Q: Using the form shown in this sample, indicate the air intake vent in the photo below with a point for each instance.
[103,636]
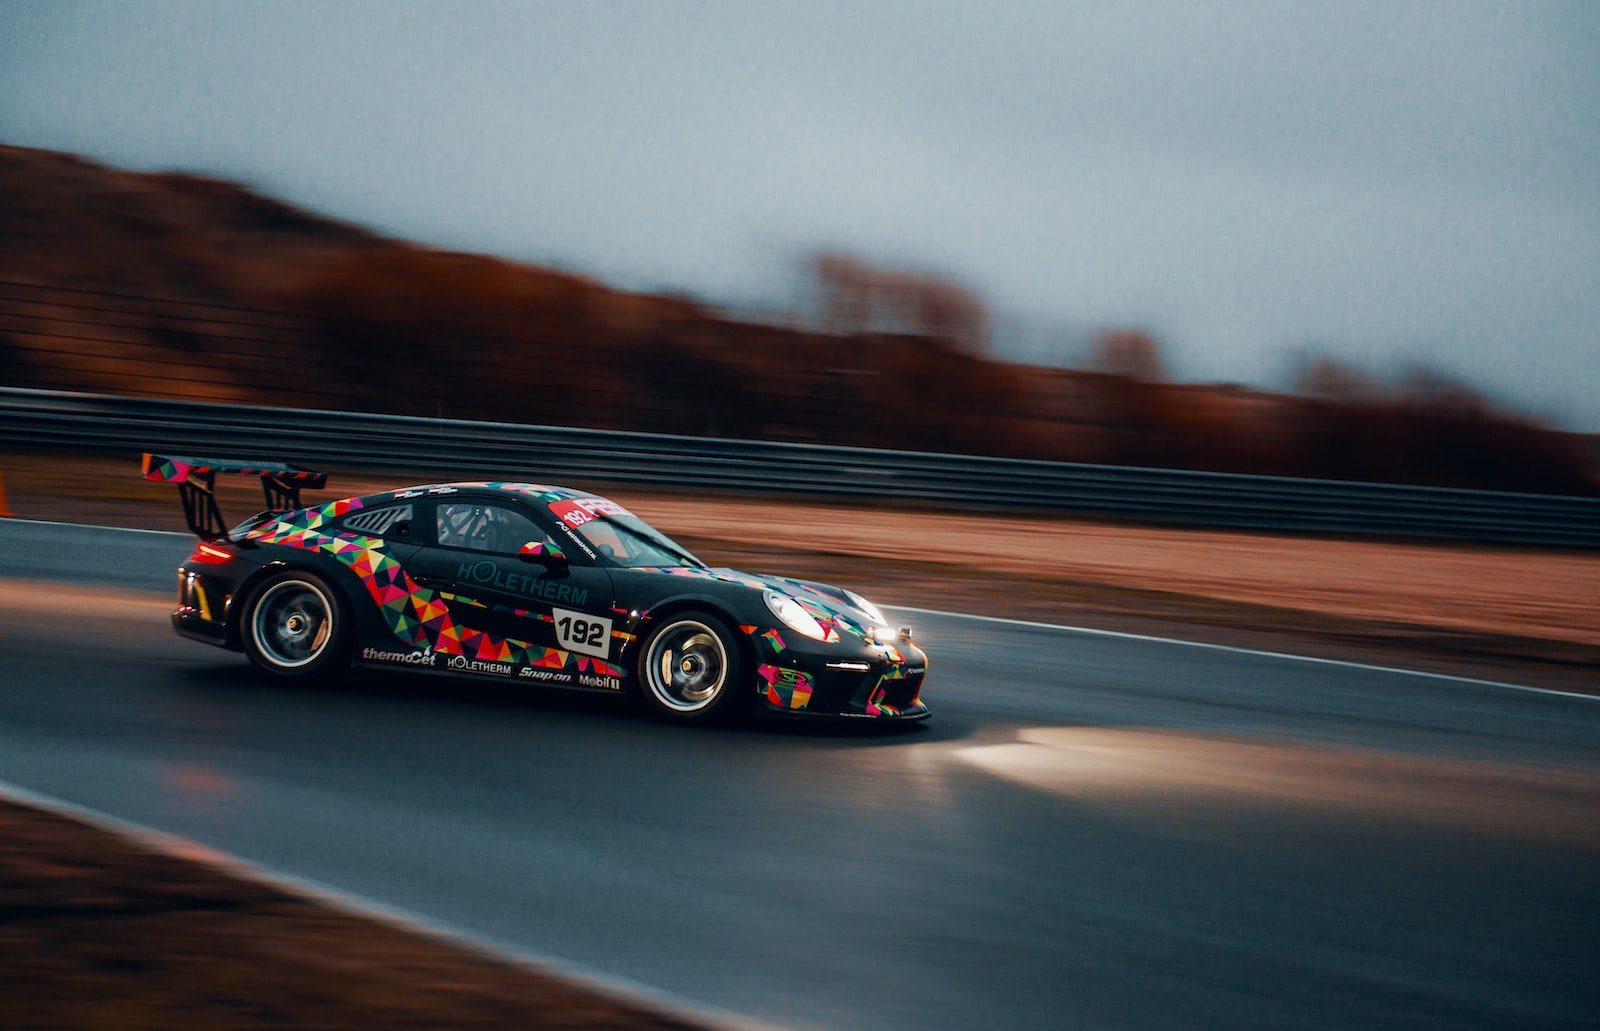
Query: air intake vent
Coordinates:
[379,520]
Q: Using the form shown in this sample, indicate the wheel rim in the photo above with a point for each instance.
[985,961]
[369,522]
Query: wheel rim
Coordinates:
[292,623]
[687,667]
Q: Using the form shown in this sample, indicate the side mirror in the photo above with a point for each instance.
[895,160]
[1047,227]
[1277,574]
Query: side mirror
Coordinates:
[546,552]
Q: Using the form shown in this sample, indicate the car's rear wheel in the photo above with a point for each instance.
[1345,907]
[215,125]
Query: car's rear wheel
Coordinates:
[690,669]
[293,627]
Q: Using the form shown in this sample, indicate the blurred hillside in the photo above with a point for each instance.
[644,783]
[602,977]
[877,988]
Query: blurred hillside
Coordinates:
[188,287]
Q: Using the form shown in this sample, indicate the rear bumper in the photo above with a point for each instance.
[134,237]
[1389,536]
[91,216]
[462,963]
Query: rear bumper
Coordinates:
[189,623]
[202,609]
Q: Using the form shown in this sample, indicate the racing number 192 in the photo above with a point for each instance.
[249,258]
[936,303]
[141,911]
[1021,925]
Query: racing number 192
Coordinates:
[581,631]
[578,632]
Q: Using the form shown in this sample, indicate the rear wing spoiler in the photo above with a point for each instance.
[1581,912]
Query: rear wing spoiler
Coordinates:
[280,486]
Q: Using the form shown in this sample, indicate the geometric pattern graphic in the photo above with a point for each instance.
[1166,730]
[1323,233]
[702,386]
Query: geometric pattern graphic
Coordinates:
[537,491]
[417,616]
[434,623]
[168,470]
[786,688]
[173,469]
[876,706]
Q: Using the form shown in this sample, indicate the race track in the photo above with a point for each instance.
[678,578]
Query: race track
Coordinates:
[1092,831]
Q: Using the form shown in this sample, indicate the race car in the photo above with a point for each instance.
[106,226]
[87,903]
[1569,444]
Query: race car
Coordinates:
[525,583]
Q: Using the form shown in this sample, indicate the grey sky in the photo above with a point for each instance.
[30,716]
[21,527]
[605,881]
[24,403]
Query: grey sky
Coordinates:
[1384,182]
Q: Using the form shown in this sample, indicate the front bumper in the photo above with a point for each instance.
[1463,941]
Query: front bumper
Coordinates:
[879,682]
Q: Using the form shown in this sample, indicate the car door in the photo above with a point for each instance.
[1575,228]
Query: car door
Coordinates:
[512,610]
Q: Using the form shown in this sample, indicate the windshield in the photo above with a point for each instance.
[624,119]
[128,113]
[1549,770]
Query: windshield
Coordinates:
[620,535]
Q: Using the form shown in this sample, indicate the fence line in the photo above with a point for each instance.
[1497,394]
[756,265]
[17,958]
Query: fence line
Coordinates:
[353,440]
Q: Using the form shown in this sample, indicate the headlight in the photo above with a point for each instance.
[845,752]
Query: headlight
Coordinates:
[882,635]
[794,617]
[866,606]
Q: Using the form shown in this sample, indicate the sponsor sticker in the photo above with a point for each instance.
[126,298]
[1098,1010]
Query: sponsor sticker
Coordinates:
[462,664]
[577,538]
[596,680]
[488,573]
[545,676]
[577,511]
[423,658]
[579,632]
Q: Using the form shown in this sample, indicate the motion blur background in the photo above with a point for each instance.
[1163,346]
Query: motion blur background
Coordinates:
[1354,242]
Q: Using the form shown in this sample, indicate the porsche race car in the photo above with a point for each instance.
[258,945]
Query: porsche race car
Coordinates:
[525,583]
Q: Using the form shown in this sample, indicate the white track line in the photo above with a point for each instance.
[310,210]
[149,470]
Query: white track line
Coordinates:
[1090,631]
[1093,632]
[190,851]
[96,526]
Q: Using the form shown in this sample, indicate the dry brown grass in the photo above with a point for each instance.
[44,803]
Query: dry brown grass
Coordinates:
[1547,594]
[97,931]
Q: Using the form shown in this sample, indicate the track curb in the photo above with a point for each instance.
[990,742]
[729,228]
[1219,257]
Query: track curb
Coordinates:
[173,846]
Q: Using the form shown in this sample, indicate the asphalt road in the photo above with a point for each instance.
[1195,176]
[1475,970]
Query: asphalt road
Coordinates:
[1092,831]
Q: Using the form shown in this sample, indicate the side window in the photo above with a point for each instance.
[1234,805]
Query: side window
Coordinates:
[391,521]
[606,540]
[485,526]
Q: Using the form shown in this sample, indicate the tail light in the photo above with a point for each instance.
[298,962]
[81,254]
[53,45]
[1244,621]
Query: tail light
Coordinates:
[210,555]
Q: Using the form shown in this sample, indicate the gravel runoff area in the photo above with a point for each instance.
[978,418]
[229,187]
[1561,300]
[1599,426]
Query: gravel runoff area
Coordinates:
[106,929]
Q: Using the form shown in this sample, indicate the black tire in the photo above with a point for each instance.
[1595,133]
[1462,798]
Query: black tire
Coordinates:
[295,627]
[691,670]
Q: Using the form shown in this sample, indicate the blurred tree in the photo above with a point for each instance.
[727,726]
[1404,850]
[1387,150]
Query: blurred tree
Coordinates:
[860,298]
[1426,389]
[179,286]
[1129,353]
[1327,380]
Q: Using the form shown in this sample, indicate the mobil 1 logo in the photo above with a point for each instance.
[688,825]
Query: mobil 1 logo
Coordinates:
[579,632]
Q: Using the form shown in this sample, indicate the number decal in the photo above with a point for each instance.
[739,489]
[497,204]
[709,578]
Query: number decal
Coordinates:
[578,632]
[578,511]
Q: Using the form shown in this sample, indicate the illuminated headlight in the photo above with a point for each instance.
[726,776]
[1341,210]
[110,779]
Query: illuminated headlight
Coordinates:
[884,635]
[793,616]
[866,606]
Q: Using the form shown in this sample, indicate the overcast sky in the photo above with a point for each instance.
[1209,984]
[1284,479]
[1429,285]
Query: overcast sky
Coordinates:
[1391,183]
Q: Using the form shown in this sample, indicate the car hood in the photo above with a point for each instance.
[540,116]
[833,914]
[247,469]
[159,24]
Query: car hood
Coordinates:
[826,603]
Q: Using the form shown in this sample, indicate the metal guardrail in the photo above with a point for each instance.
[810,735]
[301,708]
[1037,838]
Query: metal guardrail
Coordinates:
[68,553]
[52,419]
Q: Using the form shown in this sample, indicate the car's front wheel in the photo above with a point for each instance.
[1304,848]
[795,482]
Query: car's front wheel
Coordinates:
[294,627]
[690,669]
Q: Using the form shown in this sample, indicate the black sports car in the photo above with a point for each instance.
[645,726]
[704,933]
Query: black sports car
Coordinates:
[528,583]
